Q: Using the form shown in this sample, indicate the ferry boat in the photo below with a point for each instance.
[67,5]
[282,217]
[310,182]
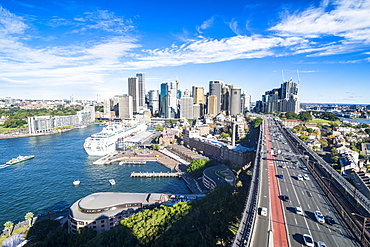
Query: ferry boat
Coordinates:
[19,159]
[104,142]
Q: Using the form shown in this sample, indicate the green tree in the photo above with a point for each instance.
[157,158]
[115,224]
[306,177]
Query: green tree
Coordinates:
[257,122]
[367,131]
[324,143]
[303,137]
[159,128]
[329,116]
[224,135]
[291,115]
[304,116]
[29,217]
[9,225]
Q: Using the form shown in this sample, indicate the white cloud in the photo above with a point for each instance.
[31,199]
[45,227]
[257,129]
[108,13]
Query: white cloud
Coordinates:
[10,23]
[206,25]
[212,50]
[104,20]
[343,18]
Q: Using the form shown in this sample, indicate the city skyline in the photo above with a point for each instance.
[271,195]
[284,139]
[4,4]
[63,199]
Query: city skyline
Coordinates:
[53,50]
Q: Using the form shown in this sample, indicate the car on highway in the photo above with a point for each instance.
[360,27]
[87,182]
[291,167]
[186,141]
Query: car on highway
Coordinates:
[329,220]
[321,244]
[285,198]
[306,177]
[299,177]
[283,166]
[280,176]
[263,211]
[319,217]
[298,210]
[308,241]
[304,168]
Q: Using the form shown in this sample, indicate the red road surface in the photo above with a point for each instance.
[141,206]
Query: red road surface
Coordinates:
[278,221]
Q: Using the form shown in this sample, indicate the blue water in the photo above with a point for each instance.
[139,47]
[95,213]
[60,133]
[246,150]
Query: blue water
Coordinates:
[45,182]
[360,120]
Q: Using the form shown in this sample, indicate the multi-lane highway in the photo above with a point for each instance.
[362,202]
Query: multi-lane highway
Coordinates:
[281,172]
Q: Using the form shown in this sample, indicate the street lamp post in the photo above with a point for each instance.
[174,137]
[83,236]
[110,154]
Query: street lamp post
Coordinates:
[364,224]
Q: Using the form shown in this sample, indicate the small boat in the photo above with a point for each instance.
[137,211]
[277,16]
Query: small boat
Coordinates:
[76,182]
[19,159]
[112,182]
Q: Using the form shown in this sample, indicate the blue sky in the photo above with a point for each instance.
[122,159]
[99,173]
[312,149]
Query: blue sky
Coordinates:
[54,49]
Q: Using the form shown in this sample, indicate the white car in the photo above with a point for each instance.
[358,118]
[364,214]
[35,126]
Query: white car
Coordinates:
[319,217]
[264,211]
[298,210]
[321,244]
[308,241]
[306,177]
[299,177]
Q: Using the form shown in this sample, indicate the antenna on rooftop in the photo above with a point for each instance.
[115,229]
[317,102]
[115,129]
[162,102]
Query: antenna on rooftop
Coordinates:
[298,76]
[282,74]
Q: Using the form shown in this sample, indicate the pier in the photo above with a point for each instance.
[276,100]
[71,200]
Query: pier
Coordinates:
[134,162]
[156,174]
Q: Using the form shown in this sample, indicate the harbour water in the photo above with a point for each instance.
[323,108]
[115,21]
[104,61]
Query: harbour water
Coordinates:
[45,182]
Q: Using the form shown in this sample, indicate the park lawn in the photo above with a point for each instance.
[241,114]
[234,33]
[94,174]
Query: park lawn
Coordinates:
[16,231]
[322,121]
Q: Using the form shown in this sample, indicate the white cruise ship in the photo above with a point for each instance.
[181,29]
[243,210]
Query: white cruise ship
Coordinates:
[104,142]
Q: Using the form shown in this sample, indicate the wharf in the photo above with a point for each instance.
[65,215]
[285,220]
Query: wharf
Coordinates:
[156,174]
[138,157]
[134,162]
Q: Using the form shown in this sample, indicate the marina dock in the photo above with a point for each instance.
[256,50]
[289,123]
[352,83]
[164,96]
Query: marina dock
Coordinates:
[156,174]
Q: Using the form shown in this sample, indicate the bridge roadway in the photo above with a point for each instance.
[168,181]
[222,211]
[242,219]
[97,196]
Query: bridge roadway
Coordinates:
[307,194]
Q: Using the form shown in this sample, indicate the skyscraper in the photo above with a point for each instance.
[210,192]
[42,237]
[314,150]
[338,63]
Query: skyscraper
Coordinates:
[283,99]
[153,101]
[133,91]
[186,107]
[141,89]
[215,88]
[212,105]
[235,101]
[125,107]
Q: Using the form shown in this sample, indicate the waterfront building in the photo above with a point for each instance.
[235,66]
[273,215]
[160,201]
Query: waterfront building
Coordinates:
[46,124]
[125,107]
[103,211]
[133,91]
[218,176]
[107,108]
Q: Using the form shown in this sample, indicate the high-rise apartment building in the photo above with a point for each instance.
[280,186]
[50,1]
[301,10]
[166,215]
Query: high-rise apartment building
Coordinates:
[283,99]
[245,102]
